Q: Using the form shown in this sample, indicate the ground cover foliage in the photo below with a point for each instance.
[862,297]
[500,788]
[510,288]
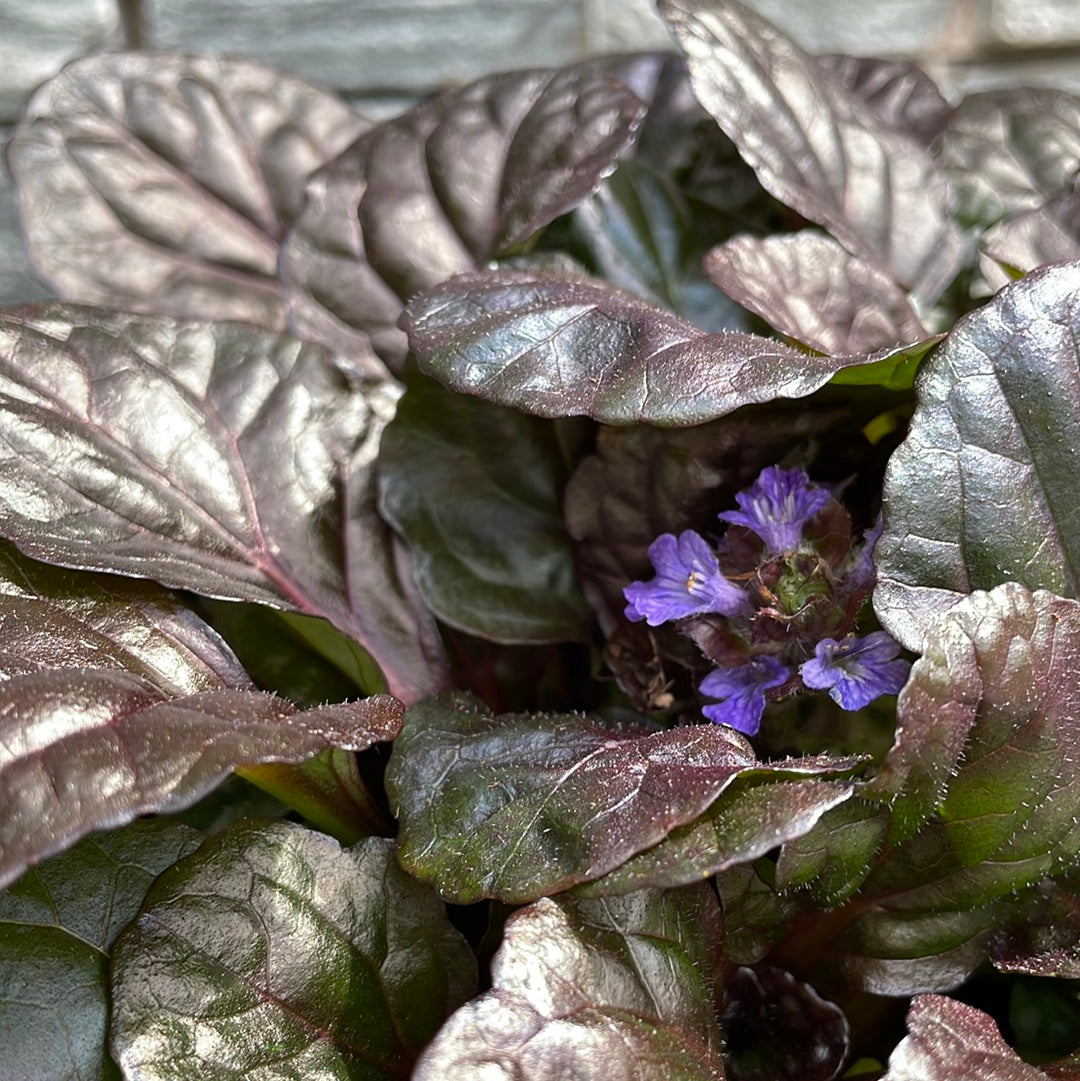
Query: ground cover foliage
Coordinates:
[576,580]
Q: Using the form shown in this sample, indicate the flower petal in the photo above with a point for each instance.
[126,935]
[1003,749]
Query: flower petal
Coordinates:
[777,506]
[742,691]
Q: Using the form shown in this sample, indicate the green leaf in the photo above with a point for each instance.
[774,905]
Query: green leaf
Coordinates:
[758,812]
[983,489]
[831,860]
[595,990]
[476,491]
[274,952]
[519,806]
[58,924]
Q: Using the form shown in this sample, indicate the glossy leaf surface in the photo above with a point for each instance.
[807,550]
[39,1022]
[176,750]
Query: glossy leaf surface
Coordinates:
[213,457]
[817,146]
[58,924]
[948,1040]
[559,346]
[810,289]
[986,741]
[1008,151]
[982,490]
[899,91]
[274,951]
[520,806]
[118,702]
[746,821]
[476,491]
[594,990]
[164,183]
[443,188]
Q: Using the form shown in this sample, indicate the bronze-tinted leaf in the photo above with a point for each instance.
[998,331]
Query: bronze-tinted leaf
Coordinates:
[596,990]
[983,489]
[523,805]
[818,146]
[810,289]
[212,457]
[561,346]
[165,182]
[443,188]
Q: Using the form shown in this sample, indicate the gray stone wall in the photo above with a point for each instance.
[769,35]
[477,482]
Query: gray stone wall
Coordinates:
[382,53]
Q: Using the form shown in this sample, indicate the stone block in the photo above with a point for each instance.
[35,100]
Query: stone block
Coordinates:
[365,46]
[37,37]
[1037,24]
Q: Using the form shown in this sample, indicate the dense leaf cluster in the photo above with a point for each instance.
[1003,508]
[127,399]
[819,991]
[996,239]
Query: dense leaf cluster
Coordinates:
[328,469]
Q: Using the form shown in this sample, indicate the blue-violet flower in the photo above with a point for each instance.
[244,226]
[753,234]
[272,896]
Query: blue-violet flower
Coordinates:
[854,670]
[688,582]
[777,506]
[742,690]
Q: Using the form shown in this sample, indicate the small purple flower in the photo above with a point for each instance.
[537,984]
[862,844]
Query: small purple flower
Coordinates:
[856,670]
[742,691]
[688,582]
[777,506]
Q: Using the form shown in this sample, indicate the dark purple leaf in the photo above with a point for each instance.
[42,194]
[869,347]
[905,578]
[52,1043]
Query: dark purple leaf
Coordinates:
[217,458]
[58,924]
[818,146]
[1009,151]
[520,806]
[559,346]
[274,952]
[442,189]
[951,1041]
[476,491]
[900,92]
[779,1029]
[166,182]
[987,740]
[617,988]
[982,491]
[91,749]
[1048,234]
[119,702]
[810,289]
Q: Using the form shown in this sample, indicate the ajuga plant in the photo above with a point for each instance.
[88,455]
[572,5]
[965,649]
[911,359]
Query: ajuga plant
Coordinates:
[576,580]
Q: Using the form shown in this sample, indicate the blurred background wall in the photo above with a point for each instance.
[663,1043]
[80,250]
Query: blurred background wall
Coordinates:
[382,54]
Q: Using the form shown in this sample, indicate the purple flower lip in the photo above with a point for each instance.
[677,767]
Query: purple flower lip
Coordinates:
[688,582]
[777,506]
[742,691]
[854,670]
